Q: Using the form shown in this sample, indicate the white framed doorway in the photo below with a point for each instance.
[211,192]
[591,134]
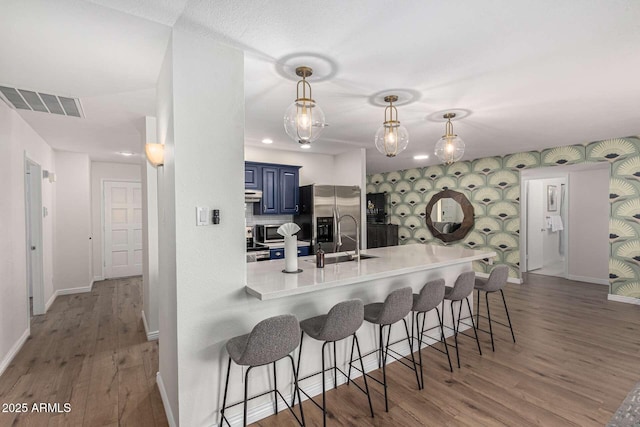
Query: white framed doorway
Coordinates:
[122,228]
[33,236]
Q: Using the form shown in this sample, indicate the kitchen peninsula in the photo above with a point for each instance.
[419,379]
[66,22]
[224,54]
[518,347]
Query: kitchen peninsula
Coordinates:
[266,280]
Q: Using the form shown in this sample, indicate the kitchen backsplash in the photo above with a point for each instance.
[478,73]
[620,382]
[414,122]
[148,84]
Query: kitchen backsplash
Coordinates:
[252,219]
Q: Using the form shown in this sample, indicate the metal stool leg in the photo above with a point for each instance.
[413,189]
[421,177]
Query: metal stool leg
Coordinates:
[335,367]
[384,371]
[478,309]
[364,376]
[473,324]
[224,399]
[486,297]
[296,390]
[297,370]
[324,396]
[424,317]
[275,386]
[508,318]
[444,340]
[246,392]
[413,360]
[455,331]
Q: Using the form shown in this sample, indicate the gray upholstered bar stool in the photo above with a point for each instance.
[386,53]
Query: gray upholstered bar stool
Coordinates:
[496,281]
[459,292]
[430,297]
[342,321]
[395,308]
[270,340]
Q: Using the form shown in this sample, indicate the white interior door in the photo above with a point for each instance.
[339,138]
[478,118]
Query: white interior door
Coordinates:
[122,229]
[35,270]
[535,224]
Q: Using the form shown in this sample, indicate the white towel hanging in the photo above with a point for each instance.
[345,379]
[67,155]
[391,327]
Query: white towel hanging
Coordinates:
[556,223]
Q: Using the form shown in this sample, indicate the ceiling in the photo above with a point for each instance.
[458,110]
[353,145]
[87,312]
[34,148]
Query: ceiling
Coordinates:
[520,75]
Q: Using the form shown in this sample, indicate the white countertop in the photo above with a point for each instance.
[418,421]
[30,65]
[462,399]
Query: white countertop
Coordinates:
[265,280]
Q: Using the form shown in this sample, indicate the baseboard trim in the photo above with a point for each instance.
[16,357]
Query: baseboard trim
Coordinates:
[78,290]
[509,280]
[13,351]
[50,302]
[604,282]
[153,335]
[266,409]
[165,401]
[622,298]
[98,278]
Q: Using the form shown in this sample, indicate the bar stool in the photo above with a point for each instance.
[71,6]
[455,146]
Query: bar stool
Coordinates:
[395,307]
[342,321]
[461,291]
[430,297]
[496,281]
[270,340]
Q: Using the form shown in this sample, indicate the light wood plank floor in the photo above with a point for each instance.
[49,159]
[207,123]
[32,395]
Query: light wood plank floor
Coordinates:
[576,358]
[89,350]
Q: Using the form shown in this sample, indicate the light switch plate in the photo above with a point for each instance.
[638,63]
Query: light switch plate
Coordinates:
[202,216]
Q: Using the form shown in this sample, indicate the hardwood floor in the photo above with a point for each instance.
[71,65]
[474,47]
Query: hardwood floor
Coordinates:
[89,350]
[577,356]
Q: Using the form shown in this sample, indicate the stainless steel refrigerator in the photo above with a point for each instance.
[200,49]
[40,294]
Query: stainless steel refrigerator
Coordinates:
[325,209]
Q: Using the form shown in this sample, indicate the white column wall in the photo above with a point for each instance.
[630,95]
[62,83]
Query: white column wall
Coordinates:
[72,261]
[168,322]
[150,275]
[208,101]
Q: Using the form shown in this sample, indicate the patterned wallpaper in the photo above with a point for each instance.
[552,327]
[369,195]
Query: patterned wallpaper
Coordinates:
[492,185]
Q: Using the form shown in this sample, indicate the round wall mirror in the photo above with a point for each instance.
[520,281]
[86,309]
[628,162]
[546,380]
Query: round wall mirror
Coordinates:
[449,216]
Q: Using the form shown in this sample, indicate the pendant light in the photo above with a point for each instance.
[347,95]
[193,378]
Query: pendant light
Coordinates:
[450,148]
[304,120]
[391,138]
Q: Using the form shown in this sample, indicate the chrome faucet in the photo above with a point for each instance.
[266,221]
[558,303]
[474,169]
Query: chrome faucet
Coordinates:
[357,239]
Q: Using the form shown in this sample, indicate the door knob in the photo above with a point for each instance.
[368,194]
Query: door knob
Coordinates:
[33,248]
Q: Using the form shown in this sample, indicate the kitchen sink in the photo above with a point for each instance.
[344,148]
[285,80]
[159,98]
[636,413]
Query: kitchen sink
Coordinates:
[341,258]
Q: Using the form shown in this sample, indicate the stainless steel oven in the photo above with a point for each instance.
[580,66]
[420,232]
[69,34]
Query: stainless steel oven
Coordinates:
[268,234]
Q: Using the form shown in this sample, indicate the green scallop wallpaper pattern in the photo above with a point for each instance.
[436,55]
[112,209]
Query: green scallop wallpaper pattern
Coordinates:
[492,184]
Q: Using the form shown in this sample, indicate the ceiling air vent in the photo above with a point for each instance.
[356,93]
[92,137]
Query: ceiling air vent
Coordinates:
[22,99]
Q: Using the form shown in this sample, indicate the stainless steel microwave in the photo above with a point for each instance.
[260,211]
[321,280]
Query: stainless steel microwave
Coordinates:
[268,233]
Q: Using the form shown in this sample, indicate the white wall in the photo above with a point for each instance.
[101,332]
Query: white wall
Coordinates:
[150,274]
[72,249]
[168,340]
[101,171]
[16,137]
[589,225]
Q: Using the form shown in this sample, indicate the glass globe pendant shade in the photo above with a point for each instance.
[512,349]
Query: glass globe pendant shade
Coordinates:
[391,139]
[449,149]
[304,121]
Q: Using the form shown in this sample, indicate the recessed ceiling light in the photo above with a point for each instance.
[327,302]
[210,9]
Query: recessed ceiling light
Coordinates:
[305,146]
[267,141]
[126,153]
[421,156]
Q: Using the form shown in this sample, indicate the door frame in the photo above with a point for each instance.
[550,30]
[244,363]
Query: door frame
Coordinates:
[538,174]
[103,181]
[33,236]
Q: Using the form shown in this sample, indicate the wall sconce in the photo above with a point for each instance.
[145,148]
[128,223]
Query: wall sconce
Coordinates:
[49,175]
[155,153]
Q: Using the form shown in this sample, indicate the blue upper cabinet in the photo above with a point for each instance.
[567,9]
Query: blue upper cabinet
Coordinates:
[279,185]
[269,203]
[251,176]
[289,191]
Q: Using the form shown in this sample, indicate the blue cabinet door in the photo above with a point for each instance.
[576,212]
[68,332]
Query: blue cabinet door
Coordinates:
[269,203]
[276,253]
[289,191]
[251,176]
[303,250]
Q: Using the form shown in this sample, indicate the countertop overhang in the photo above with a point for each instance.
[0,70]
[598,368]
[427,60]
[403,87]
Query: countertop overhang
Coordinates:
[265,280]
